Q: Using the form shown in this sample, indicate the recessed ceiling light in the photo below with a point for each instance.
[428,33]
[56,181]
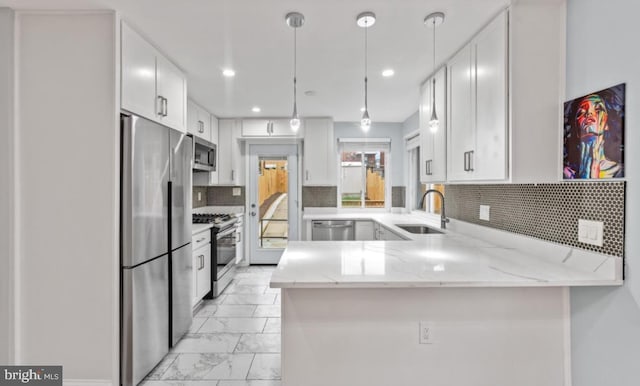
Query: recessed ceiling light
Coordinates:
[256,109]
[229,73]
[388,72]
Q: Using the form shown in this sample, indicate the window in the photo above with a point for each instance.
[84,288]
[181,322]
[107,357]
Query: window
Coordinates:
[363,175]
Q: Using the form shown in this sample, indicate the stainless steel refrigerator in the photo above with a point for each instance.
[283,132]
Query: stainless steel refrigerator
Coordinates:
[155,256]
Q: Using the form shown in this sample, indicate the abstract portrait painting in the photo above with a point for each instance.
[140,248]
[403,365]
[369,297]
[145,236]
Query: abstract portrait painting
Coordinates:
[594,135]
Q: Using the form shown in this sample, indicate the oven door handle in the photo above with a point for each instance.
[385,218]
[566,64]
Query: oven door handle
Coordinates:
[225,233]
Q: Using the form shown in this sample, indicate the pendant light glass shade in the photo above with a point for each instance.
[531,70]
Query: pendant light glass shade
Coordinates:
[295,20]
[365,20]
[434,123]
[433,20]
[365,122]
[295,120]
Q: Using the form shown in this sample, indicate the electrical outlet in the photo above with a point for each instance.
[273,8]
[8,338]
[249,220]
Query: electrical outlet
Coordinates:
[235,191]
[485,212]
[590,232]
[199,196]
[426,333]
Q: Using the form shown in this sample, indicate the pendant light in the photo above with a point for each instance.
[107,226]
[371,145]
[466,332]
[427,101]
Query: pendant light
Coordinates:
[434,20]
[365,20]
[295,20]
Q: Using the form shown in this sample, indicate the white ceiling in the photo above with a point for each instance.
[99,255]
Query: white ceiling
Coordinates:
[251,36]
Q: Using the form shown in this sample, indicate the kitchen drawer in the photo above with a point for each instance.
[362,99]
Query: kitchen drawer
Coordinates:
[202,272]
[201,239]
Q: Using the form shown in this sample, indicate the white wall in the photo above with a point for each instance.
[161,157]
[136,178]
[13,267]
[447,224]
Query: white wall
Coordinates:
[411,124]
[602,51]
[67,156]
[6,186]
[379,130]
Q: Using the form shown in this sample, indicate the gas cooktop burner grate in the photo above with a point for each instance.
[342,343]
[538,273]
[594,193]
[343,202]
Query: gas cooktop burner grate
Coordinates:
[210,218]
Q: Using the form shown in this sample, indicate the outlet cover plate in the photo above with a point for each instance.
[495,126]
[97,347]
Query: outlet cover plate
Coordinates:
[235,192]
[426,333]
[485,211]
[590,232]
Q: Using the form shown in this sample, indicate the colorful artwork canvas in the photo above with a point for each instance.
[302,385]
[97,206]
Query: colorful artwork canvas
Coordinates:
[594,135]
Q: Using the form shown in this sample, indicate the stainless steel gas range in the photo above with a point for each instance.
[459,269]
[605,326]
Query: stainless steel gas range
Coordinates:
[224,243]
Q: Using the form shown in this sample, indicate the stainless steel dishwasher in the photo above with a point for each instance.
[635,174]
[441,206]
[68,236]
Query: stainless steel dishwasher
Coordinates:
[333,230]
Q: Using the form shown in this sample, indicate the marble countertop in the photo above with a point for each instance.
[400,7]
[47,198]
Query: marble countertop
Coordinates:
[197,228]
[452,259]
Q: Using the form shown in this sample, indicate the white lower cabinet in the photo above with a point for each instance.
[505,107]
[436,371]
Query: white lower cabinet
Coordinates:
[239,241]
[365,230]
[201,269]
[384,233]
[371,230]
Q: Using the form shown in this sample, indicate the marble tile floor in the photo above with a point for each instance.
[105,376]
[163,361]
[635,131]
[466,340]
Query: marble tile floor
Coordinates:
[234,340]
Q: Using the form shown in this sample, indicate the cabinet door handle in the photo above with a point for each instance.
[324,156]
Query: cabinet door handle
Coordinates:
[307,175]
[165,105]
[199,240]
[200,127]
[160,105]
[471,160]
[200,262]
[466,168]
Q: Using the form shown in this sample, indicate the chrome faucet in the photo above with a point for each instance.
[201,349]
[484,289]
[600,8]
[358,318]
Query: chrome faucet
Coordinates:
[443,217]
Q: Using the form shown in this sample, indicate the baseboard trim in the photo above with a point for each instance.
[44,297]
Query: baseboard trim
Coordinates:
[87,382]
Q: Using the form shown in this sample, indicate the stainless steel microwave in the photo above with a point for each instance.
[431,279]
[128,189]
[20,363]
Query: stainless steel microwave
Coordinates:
[204,155]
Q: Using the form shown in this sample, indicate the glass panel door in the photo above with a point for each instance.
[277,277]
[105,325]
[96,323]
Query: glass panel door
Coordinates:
[273,205]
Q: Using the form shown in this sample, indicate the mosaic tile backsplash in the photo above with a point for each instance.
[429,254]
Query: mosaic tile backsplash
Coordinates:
[223,196]
[200,191]
[545,211]
[319,197]
[398,194]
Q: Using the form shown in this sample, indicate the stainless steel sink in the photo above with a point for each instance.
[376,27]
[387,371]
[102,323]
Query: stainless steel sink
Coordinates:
[419,229]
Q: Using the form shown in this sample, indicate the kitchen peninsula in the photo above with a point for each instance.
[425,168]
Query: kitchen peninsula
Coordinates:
[402,312]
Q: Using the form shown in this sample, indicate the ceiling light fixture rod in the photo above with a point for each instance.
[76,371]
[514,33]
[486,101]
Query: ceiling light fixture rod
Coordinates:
[365,20]
[295,20]
[435,19]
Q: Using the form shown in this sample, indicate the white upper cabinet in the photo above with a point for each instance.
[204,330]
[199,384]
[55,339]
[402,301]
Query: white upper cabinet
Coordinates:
[138,74]
[505,98]
[490,161]
[230,159]
[282,128]
[433,145]
[152,86]
[256,127]
[319,153]
[270,128]
[214,129]
[171,86]
[199,121]
[461,125]
[477,79]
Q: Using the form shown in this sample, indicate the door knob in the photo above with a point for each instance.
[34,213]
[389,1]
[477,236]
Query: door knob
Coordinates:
[253,214]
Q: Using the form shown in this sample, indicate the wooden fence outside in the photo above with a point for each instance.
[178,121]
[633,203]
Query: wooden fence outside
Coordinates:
[272,181]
